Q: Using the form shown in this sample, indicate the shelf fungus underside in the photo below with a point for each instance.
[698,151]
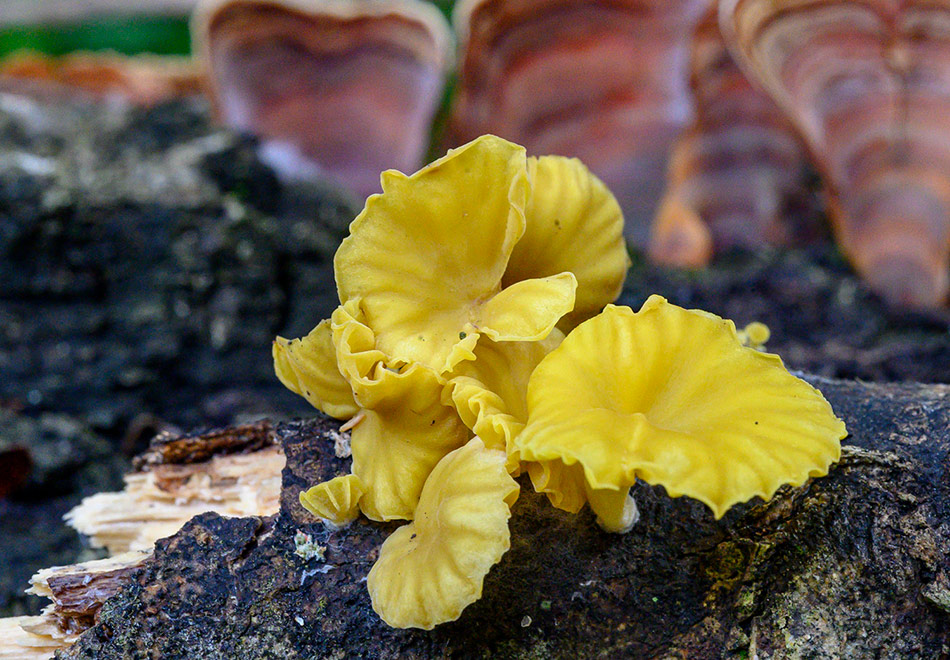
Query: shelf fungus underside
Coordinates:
[868,85]
[604,82]
[344,90]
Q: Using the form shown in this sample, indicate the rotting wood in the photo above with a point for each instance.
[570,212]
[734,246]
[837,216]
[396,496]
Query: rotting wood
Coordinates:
[851,565]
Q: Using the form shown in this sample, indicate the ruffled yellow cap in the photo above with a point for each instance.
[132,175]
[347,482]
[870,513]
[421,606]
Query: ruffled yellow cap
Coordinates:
[573,223]
[489,392]
[426,258]
[431,569]
[404,429]
[671,396]
[308,367]
[335,501]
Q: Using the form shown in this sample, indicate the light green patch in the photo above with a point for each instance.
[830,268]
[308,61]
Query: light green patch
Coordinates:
[307,548]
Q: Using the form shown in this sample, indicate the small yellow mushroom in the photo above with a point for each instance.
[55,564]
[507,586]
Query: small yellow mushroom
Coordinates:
[336,502]
[671,396]
[755,335]
[431,569]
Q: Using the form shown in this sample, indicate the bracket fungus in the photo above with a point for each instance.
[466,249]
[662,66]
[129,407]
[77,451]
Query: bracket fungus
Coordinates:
[867,84]
[335,87]
[456,285]
[602,81]
[143,80]
[736,172]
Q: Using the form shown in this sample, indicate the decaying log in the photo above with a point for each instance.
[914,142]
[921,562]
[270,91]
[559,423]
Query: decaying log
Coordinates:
[852,565]
[233,472]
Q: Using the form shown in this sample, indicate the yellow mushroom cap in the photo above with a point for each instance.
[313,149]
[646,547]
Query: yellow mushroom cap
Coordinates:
[490,391]
[573,223]
[671,396]
[431,569]
[308,367]
[403,430]
[755,335]
[336,501]
[426,258]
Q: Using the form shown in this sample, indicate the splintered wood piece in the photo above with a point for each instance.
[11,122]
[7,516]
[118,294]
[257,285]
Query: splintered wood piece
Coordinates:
[157,503]
[234,472]
[336,88]
[603,81]
[737,174]
[868,85]
[18,643]
[77,593]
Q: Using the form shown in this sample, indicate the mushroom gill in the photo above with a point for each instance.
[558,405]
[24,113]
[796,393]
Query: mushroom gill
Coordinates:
[344,89]
[602,81]
[868,85]
[737,174]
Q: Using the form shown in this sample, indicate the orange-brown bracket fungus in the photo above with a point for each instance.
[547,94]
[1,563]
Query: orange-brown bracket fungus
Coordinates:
[344,88]
[736,172]
[672,397]
[868,85]
[143,80]
[604,81]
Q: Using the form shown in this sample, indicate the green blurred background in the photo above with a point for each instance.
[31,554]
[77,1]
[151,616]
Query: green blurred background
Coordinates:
[134,32]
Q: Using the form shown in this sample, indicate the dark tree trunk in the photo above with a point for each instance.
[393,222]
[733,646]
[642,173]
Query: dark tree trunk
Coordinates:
[854,565]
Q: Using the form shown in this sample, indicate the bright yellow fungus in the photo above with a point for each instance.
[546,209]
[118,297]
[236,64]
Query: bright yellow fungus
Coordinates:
[575,224]
[755,335]
[405,429]
[489,391]
[308,367]
[335,501]
[431,569]
[671,396]
[455,285]
[426,258]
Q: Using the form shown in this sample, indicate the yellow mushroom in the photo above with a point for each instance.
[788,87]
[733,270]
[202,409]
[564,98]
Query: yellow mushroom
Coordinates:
[426,257]
[308,367]
[431,569]
[573,223]
[489,391]
[671,396]
[336,501]
[404,430]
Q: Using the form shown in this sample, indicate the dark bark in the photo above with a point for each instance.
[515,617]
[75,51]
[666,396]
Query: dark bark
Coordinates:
[852,565]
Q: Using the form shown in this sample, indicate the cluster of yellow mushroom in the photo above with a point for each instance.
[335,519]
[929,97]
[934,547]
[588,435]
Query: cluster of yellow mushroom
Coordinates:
[448,356]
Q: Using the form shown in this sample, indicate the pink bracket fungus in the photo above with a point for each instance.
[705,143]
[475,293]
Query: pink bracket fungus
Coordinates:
[345,88]
[604,81]
[735,172]
[448,355]
[867,84]
[672,397]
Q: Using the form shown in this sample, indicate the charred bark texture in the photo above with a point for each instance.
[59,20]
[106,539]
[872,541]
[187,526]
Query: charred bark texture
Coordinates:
[854,565]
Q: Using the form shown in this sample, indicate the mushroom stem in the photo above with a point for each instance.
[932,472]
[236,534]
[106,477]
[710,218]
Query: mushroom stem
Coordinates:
[616,509]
